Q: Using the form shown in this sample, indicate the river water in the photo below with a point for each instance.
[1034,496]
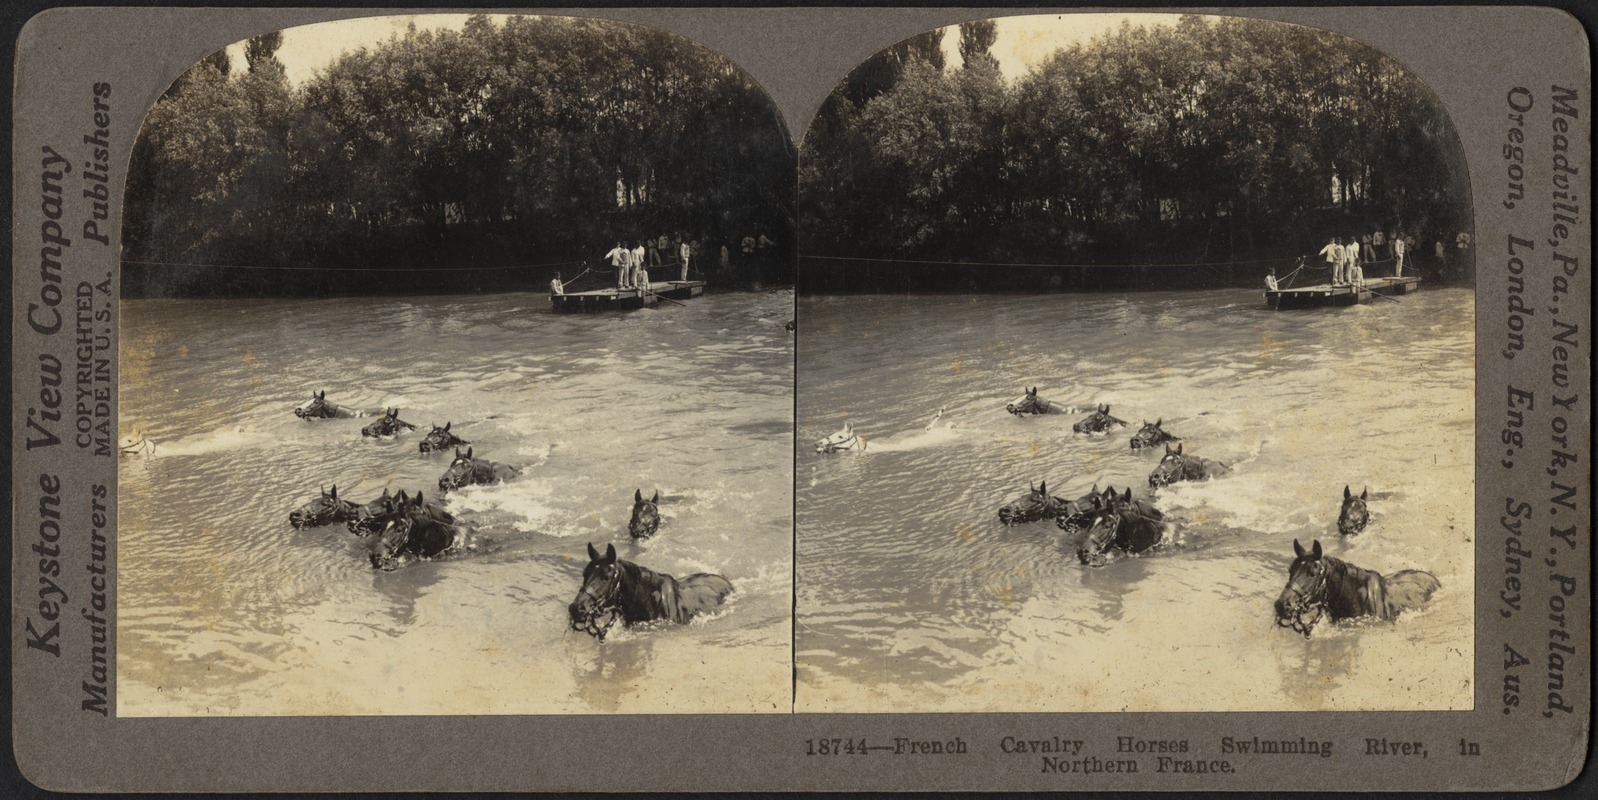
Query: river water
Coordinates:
[911,595]
[226,610]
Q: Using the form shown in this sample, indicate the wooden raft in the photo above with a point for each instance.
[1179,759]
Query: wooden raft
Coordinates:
[1327,295]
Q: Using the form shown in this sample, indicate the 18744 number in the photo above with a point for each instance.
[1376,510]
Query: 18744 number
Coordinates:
[835,747]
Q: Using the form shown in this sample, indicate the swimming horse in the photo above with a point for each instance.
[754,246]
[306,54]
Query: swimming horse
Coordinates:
[841,441]
[1080,513]
[439,439]
[319,408]
[466,470]
[415,534]
[615,590]
[1151,435]
[1177,467]
[1029,404]
[1122,523]
[1354,515]
[1036,504]
[1321,586]
[376,515]
[646,516]
[387,425]
[1099,421]
[324,510]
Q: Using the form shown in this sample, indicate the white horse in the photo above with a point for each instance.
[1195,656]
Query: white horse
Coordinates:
[845,439]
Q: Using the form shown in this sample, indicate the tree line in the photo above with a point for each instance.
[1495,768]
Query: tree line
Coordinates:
[1212,141]
[449,159]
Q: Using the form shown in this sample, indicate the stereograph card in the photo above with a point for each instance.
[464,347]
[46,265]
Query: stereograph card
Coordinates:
[849,399]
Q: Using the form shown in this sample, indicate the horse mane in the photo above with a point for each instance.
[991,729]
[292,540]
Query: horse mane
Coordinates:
[645,594]
[1345,590]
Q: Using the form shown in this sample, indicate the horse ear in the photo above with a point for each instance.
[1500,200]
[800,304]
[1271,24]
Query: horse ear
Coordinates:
[319,395]
[1298,549]
[1158,422]
[593,555]
[1043,487]
[1095,489]
[638,497]
[468,454]
[446,425]
[610,554]
[1127,498]
[1346,493]
[1178,448]
[1363,493]
[656,498]
[1317,549]
[417,500]
[334,494]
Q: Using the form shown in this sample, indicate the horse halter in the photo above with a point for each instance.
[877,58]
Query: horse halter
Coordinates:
[610,607]
[1305,602]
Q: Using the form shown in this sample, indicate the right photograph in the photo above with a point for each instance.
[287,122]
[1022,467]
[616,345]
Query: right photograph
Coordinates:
[1135,372]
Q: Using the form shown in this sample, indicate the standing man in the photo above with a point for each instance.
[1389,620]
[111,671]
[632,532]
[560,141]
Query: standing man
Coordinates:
[555,286]
[1379,242]
[1398,255]
[1333,251]
[638,260]
[1270,280]
[684,252]
[1350,259]
[619,256]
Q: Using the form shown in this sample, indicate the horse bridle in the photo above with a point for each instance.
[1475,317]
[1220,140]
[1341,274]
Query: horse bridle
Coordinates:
[844,444]
[1303,603]
[611,608]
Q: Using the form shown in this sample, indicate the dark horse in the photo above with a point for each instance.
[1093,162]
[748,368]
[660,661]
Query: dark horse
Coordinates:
[1354,515]
[466,470]
[319,408]
[1099,421]
[387,425]
[376,515]
[1036,504]
[1152,435]
[416,532]
[439,439]
[621,590]
[646,516]
[1321,586]
[1124,524]
[324,510]
[1177,467]
[1029,403]
[1080,512]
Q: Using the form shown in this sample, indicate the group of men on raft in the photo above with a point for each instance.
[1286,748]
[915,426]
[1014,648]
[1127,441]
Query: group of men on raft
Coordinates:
[1345,262]
[630,266]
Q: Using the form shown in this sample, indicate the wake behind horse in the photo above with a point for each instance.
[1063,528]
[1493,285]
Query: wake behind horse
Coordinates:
[615,590]
[319,408]
[1177,467]
[1321,586]
[466,470]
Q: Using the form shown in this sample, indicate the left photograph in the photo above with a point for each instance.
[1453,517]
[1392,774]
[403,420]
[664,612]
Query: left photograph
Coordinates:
[457,373]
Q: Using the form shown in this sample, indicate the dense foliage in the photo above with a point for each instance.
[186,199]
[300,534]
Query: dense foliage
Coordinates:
[537,141]
[1213,140]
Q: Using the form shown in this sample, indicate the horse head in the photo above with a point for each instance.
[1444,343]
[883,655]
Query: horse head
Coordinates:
[387,425]
[459,473]
[316,408]
[1103,529]
[371,518]
[1354,515]
[326,509]
[386,548]
[1169,470]
[646,516]
[1078,514]
[842,440]
[1151,435]
[1028,403]
[1099,421]
[439,439]
[1032,506]
[598,602]
[1303,600]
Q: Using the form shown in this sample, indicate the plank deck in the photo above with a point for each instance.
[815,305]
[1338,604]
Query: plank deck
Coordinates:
[614,299]
[1323,294]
